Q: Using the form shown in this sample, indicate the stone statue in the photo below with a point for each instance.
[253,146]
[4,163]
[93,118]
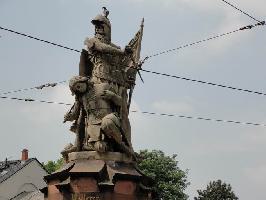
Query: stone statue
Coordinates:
[103,92]
[101,164]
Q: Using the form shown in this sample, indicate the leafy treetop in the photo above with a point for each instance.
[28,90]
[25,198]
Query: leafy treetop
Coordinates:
[216,190]
[170,180]
[52,166]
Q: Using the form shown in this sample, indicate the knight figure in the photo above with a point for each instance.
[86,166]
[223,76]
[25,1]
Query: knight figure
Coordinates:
[103,92]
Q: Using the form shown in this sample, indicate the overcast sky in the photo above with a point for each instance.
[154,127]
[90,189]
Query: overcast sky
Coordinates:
[209,150]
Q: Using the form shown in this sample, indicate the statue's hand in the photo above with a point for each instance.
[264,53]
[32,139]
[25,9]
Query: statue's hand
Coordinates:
[128,50]
[107,94]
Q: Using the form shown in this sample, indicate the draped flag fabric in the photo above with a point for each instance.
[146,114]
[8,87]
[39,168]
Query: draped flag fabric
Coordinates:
[135,46]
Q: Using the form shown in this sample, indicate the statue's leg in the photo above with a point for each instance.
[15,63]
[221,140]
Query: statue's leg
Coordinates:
[110,127]
[80,130]
[94,140]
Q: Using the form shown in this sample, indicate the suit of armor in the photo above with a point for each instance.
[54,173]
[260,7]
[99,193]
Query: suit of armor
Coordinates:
[100,111]
[109,66]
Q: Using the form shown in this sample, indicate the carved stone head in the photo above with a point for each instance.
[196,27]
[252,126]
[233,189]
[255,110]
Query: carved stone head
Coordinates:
[102,28]
[78,84]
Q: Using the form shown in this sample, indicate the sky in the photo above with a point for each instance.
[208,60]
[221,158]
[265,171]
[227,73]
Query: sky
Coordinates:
[210,151]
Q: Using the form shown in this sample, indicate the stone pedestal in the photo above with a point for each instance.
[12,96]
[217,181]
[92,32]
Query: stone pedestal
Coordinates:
[94,176]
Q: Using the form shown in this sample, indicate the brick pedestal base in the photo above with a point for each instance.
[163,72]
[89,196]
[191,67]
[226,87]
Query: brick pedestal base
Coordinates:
[87,179]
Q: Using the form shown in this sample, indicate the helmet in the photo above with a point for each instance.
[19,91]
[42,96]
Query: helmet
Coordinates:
[100,19]
[102,28]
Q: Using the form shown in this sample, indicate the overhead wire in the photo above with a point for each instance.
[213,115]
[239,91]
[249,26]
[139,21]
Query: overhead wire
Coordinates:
[248,27]
[199,118]
[152,72]
[155,73]
[163,52]
[204,82]
[245,13]
[34,100]
[261,23]
[147,57]
[39,39]
[30,100]
[39,87]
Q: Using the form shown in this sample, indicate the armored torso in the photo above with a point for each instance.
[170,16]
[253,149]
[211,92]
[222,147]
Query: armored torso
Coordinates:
[95,105]
[109,62]
[108,68]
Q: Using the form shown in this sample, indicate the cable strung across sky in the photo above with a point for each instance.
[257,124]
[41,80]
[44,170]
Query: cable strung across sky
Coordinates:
[38,39]
[39,87]
[248,27]
[205,82]
[199,118]
[156,73]
[30,100]
[34,100]
[245,13]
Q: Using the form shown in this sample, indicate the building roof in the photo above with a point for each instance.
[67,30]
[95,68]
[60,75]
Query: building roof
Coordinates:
[10,167]
[34,195]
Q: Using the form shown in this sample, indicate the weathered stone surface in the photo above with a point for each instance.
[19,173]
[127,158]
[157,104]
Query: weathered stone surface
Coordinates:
[100,165]
[84,184]
[125,187]
[94,155]
[99,179]
[103,92]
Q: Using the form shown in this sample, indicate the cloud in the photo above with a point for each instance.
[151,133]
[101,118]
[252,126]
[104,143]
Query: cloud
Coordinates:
[251,141]
[217,148]
[144,128]
[256,174]
[172,107]
[47,113]
[256,137]
[228,24]
[254,8]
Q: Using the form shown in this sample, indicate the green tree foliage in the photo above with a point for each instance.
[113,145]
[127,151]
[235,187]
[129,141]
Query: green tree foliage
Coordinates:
[170,180]
[217,190]
[52,166]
